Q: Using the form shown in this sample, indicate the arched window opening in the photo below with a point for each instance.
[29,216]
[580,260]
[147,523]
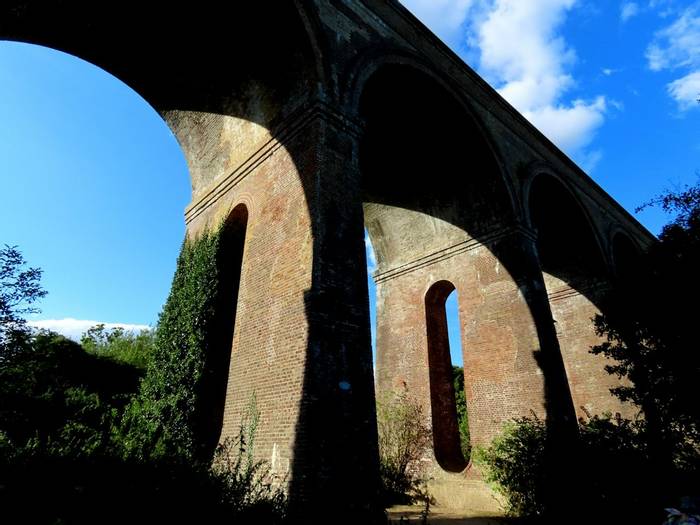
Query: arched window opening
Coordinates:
[229,265]
[455,340]
[446,434]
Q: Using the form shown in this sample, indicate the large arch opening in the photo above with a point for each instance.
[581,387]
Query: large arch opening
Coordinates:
[232,80]
[577,281]
[568,248]
[94,185]
[437,207]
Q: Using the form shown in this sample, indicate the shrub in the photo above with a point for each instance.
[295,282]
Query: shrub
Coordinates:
[403,441]
[123,346]
[248,486]
[609,471]
[515,465]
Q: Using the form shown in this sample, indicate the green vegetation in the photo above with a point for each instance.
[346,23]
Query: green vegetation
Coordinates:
[113,430]
[161,420]
[120,345]
[20,288]
[608,471]
[627,470]
[404,439]
[462,415]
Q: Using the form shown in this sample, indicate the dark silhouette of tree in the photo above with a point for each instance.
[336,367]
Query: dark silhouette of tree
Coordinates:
[650,327]
[20,288]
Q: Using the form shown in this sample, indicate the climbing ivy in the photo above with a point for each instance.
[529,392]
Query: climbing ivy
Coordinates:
[163,419]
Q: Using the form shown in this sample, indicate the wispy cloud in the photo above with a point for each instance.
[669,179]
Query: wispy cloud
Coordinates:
[628,10]
[678,44]
[445,18]
[369,251]
[75,328]
[531,68]
[686,90]
[677,47]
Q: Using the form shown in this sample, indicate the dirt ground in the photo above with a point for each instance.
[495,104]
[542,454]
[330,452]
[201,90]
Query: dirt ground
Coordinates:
[411,515]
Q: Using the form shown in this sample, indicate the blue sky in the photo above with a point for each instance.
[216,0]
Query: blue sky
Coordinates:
[94,184]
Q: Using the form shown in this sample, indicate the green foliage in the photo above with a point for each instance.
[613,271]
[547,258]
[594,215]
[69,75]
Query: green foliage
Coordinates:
[515,464]
[120,345]
[404,439]
[249,487]
[651,336]
[19,289]
[608,470]
[462,414]
[56,397]
[162,420]
[66,455]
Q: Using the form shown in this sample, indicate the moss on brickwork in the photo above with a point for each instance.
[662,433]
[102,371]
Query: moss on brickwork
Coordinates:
[163,419]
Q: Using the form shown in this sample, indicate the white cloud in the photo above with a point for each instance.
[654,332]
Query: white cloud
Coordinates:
[74,328]
[677,46]
[369,251]
[686,91]
[521,52]
[530,69]
[573,125]
[628,10]
[445,18]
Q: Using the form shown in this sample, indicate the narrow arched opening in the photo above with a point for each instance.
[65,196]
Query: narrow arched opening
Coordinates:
[445,423]
[454,331]
[229,269]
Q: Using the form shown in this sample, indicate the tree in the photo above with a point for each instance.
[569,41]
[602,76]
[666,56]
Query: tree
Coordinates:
[120,345]
[19,289]
[650,325]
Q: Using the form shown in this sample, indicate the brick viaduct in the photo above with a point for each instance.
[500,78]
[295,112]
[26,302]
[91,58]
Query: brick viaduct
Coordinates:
[305,122]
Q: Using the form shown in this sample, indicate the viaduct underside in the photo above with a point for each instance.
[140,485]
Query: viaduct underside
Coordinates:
[303,124]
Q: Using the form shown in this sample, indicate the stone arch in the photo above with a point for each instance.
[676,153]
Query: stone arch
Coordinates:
[362,70]
[241,91]
[577,280]
[579,242]
[623,253]
[411,159]
[206,103]
[437,207]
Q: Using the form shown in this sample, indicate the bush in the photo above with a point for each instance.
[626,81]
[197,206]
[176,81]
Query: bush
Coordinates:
[404,439]
[56,397]
[609,472]
[248,486]
[134,349]
[515,464]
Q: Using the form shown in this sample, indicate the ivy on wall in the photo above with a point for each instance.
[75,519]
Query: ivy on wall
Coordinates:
[165,418]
